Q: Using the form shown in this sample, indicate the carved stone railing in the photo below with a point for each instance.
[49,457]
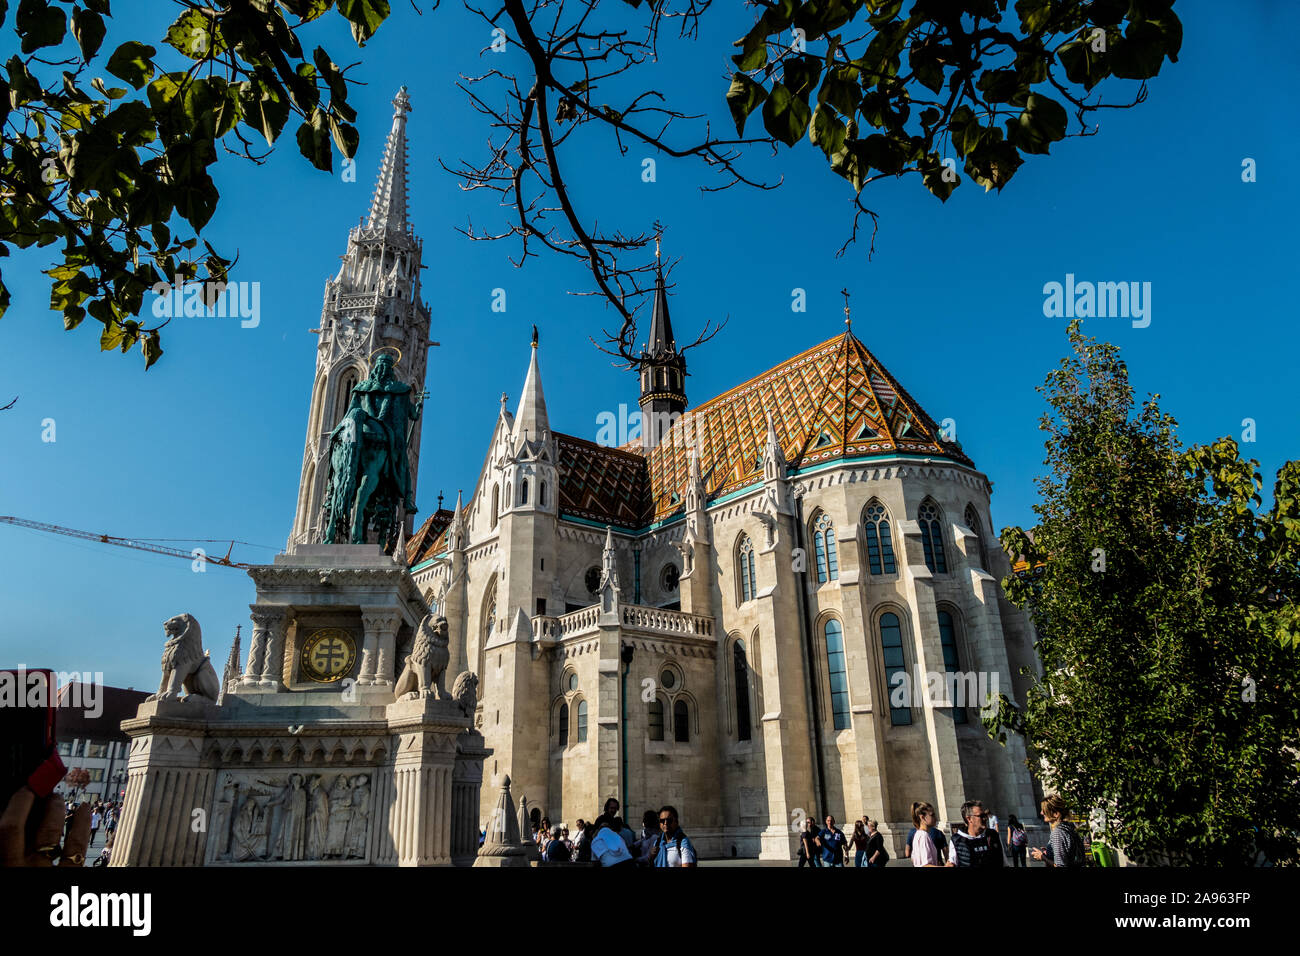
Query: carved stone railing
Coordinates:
[568,625]
[663,621]
[632,616]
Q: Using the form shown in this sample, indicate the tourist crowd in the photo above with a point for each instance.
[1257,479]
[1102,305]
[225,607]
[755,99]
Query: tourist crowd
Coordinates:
[977,842]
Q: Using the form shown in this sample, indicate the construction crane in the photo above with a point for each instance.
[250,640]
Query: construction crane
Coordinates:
[139,545]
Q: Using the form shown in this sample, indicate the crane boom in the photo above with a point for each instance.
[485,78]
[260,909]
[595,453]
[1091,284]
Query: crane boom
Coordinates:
[122,542]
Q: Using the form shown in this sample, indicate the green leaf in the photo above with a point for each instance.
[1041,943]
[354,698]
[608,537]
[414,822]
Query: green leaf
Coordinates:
[785,116]
[132,62]
[88,29]
[365,17]
[742,99]
[828,131]
[753,49]
[197,35]
[940,180]
[1034,14]
[345,137]
[965,130]
[150,345]
[1041,123]
[265,108]
[1082,64]
[39,24]
[840,89]
[1140,52]
[314,140]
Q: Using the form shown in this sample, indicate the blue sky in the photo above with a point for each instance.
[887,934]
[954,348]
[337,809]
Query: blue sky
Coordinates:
[208,444]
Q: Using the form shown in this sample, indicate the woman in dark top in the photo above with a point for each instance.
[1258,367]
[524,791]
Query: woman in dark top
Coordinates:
[859,843]
[809,852]
[875,852]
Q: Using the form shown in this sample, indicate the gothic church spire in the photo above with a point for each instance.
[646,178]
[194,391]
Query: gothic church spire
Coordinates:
[388,207]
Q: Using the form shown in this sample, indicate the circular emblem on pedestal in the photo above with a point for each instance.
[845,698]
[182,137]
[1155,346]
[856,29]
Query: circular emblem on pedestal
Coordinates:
[328,655]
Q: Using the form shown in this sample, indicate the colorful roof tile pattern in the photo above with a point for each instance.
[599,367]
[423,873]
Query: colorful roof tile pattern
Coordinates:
[831,402]
[430,539]
[607,485]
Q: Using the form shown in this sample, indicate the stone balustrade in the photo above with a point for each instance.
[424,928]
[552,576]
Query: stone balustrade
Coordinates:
[632,616]
[663,621]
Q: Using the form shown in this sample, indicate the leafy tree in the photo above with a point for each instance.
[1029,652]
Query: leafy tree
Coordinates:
[106,149]
[885,88]
[1166,611]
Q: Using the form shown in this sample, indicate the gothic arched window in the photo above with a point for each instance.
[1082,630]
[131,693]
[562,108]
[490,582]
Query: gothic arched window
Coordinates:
[835,667]
[564,724]
[523,491]
[656,719]
[930,519]
[745,569]
[891,645]
[541,495]
[582,721]
[828,562]
[973,522]
[740,664]
[681,722]
[951,662]
[880,544]
[496,504]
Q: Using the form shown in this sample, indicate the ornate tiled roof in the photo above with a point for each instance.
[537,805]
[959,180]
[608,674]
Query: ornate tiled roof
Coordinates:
[602,484]
[430,539]
[833,401]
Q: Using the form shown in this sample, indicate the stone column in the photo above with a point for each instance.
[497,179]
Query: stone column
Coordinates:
[273,660]
[256,646]
[380,645]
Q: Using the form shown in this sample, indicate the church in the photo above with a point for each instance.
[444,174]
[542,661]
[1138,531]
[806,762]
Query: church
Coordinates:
[737,613]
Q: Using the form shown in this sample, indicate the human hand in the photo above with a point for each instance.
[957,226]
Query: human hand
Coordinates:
[49,816]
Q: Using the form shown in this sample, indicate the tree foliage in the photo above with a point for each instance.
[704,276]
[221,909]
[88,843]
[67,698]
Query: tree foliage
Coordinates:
[1166,612]
[107,148]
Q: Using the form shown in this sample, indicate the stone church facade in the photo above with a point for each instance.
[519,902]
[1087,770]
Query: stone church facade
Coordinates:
[715,616]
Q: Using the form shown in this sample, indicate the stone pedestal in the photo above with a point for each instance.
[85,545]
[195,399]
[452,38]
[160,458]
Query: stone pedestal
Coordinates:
[302,763]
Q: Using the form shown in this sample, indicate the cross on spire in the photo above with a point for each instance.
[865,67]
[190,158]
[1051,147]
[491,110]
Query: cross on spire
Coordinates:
[848,318]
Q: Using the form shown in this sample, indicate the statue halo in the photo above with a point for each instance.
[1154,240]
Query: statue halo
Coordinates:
[387,348]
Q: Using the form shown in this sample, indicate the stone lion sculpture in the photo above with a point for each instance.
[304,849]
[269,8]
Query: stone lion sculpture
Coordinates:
[185,664]
[427,662]
[465,692]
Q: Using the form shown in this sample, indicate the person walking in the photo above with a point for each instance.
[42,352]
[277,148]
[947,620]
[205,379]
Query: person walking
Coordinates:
[675,848]
[809,853]
[1064,848]
[859,839]
[1017,841]
[936,835]
[924,851]
[832,842]
[877,855]
[978,845]
[96,821]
